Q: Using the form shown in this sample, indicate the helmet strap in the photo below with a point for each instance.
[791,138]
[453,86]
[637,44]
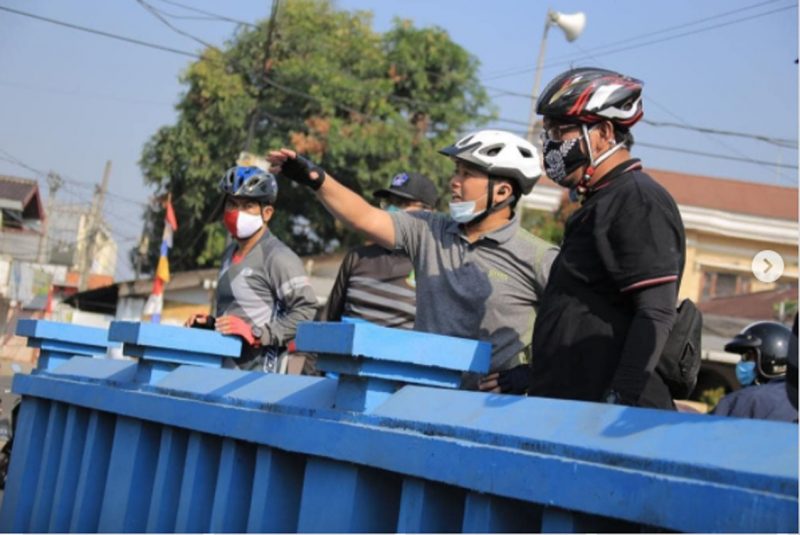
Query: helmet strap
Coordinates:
[583,186]
[490,206]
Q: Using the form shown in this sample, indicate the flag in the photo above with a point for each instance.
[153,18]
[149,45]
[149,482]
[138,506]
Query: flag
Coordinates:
[155,303]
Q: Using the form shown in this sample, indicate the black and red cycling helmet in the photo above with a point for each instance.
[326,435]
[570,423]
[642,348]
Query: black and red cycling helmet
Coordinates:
[590,95]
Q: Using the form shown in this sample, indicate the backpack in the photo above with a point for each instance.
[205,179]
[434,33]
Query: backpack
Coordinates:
[679,364]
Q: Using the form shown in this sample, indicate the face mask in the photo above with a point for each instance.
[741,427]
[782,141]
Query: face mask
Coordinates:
[746,372]
[463,212]
[242,225]
[393,208]
[562,158]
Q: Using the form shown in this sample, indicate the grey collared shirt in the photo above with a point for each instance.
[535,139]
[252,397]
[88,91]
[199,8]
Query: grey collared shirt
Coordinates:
[487,290]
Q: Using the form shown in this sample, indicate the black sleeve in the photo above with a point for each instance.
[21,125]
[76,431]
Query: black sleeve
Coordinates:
[642,244]
[652,321]
[334,307]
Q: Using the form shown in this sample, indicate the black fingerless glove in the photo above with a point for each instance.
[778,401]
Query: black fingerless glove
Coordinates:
[516,380]
[299,170]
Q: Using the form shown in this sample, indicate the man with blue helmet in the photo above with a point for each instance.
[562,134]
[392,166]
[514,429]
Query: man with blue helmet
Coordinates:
[263,291]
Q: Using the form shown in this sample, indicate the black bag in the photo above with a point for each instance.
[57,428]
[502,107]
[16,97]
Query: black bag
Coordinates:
[680,361]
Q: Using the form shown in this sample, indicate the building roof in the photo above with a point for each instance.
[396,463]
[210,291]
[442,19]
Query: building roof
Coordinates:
[724,194]
[21,194]
[764,200]
[753,306]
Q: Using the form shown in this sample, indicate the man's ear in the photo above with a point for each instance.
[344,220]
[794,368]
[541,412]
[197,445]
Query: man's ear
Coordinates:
[267,211]
[503,191]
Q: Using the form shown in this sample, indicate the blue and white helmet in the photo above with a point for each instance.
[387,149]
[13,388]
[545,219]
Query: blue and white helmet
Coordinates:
[250,182]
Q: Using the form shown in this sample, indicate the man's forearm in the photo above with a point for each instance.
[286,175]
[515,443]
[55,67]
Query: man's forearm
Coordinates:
[648,332]
[352,210]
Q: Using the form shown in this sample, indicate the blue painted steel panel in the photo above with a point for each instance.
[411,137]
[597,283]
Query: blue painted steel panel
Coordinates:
[198,341]
[131,468]
[66,332]
[199,481]
[592,458]
[398,345]
[168,480]
[362,395]
[64,349]
[277,488]
[122,371]
[391,371]
[93,471]
[233,487]
[428,507]
[173,356]
[51,457]
[23,474]
[388,449]
[341,497]
[484,513]
[69,470]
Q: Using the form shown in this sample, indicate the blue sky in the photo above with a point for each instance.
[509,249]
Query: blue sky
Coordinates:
[70,100]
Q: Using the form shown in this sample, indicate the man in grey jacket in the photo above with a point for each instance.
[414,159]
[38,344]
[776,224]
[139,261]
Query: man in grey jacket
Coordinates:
[263,291]
[478,274]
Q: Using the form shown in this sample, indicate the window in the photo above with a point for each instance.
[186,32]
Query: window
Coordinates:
[722,284]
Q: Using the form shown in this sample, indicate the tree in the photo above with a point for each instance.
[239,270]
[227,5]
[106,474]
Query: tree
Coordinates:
[364,105]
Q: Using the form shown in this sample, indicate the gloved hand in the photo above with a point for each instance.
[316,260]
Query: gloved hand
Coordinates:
[296,168]
[237,326]
[513,381]
[516,380]
[200,321]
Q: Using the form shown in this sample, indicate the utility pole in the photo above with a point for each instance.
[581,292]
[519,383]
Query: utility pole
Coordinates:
[54,182]
[92,228]
[256,114]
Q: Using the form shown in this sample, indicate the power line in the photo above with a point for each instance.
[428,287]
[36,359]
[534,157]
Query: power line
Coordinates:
[714,155]
[103,33]
[157,14]
[210,14]
[646,43]
[644,35]
[638,143]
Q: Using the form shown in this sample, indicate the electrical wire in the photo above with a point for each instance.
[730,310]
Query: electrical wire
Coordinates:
[646,43]
[648,34]
[157,14]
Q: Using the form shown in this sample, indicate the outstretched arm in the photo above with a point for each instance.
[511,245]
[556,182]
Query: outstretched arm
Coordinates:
[345,205]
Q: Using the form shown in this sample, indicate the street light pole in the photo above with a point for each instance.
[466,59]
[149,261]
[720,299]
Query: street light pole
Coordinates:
[572,26]
[533,130]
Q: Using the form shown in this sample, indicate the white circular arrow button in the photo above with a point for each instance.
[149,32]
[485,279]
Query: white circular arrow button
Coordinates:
[767,266]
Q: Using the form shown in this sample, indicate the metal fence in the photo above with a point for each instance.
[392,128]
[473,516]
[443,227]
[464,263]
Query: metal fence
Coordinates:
[176,442]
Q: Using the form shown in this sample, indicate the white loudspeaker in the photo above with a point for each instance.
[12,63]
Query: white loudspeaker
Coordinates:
[571,24]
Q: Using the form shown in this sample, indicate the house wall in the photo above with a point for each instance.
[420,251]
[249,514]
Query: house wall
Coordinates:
[711,253]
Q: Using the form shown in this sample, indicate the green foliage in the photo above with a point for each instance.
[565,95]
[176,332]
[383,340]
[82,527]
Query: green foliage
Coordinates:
[363,105]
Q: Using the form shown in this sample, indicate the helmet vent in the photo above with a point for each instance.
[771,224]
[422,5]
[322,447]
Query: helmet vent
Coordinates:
[525,152]
[491,151]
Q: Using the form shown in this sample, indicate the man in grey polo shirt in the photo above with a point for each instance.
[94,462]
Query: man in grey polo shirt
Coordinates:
[479,275]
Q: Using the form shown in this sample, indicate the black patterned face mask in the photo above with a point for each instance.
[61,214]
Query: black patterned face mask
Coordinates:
[562,158]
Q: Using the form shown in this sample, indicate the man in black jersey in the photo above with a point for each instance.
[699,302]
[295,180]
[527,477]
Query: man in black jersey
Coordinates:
[610,301]
[377,284]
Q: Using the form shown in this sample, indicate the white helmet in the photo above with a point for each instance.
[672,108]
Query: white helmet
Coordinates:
[499,154]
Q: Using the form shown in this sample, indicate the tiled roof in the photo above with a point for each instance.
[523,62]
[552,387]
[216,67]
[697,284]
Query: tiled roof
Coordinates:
[17,189]
[755,306]
[724,194]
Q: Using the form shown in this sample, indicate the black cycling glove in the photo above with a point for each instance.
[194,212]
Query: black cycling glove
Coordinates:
[299,170]
[516,380]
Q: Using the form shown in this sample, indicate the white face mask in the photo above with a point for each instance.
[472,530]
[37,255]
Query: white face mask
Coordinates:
[464,212]
[242,225]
